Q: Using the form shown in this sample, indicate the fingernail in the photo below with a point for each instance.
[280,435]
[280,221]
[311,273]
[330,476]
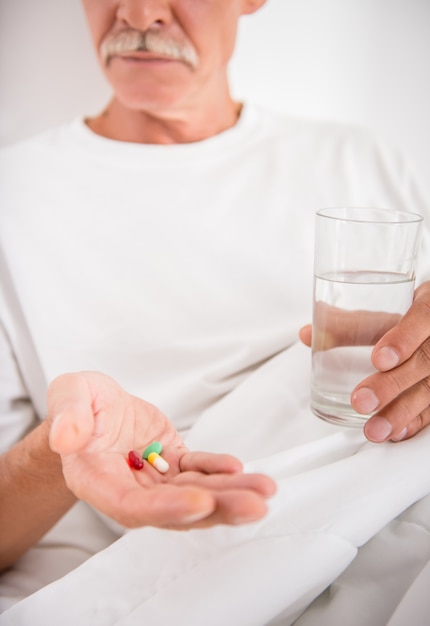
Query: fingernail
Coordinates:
[402,434]
[386,358]
[364,400]
[378,429]
[191,518]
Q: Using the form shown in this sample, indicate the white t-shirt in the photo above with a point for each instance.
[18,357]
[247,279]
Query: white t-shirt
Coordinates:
[175,269]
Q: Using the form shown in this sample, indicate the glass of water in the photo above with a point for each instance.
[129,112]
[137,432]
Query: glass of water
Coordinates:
[364,278]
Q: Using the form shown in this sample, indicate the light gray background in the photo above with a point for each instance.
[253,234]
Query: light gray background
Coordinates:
[360,61]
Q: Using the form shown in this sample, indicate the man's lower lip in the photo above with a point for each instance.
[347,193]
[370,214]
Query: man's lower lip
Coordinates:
[143,60]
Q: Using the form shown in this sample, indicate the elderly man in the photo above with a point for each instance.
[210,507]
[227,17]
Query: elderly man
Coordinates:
[167,242]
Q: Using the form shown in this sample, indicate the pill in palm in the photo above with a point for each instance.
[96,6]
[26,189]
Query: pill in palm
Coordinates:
[158,462]
[134,460]
[155,446]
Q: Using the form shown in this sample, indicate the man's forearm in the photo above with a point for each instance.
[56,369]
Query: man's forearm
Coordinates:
[34,495]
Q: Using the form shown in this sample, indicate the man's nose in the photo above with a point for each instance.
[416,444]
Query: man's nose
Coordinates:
[144,14]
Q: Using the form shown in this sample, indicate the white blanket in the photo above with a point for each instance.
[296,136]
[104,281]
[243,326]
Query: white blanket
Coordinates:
[336,492]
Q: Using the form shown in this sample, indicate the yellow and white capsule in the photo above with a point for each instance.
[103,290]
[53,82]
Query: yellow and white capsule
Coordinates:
[158,462]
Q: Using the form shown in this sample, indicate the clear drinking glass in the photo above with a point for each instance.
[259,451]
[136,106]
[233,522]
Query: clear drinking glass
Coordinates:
[364,278]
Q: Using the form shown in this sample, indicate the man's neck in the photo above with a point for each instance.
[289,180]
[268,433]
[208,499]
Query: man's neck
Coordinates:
[164,127]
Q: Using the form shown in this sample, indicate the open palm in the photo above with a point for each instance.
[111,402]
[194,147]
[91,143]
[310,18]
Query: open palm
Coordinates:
[95,423]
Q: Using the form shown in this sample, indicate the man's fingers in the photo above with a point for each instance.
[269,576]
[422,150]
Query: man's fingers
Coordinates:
[221,471]
[177,506]
[412,331]
[418,423]
[391,426]
[70,409]
[377,390]
[210,463]
[402,417]
[335,327]
[232,507]
[395,337]
[161,505]
[305,335]
[259,483]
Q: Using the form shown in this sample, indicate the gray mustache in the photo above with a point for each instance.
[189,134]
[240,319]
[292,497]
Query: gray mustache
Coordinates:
[148,41]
